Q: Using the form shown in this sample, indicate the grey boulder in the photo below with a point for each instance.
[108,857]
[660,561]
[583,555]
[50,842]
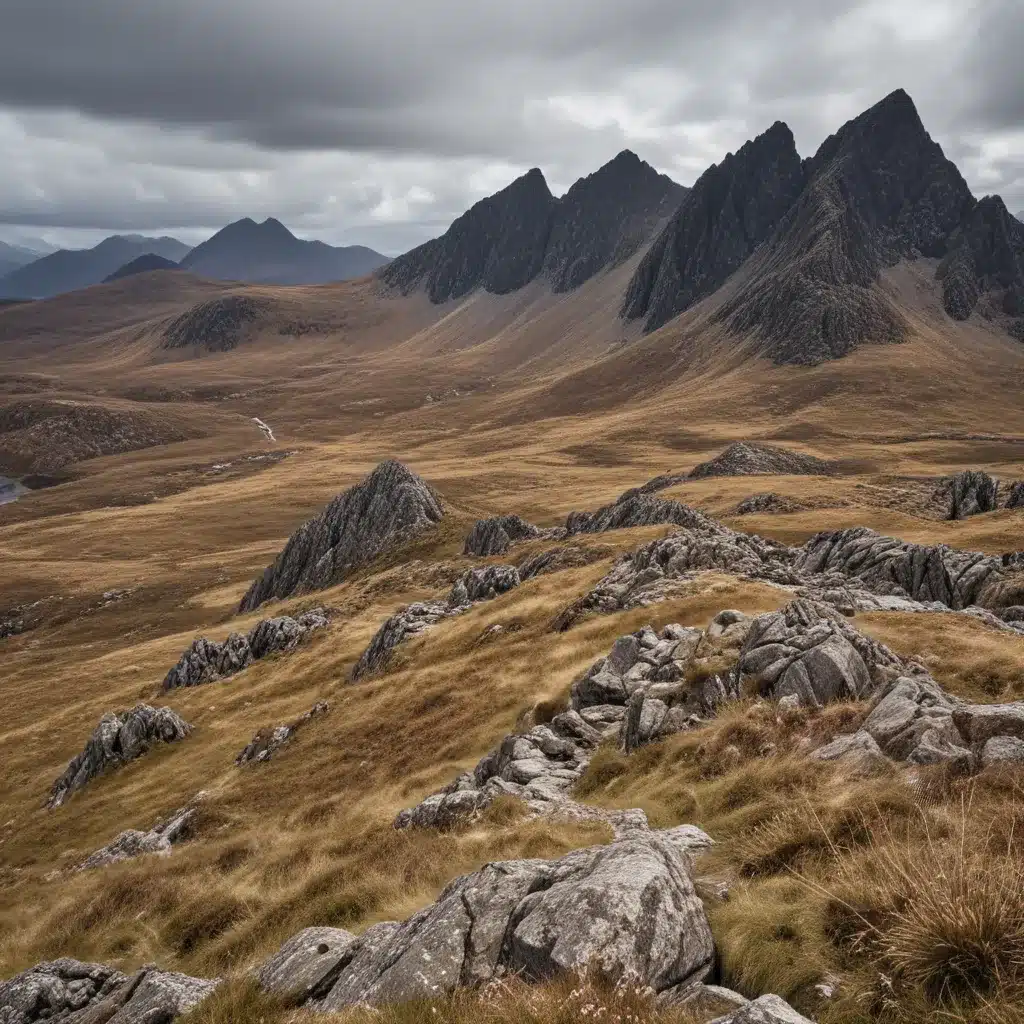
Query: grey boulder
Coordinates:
[495,536]
[766,1010]
[306,966]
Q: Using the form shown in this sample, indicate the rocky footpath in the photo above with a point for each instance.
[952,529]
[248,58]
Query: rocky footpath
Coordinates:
[483,584]
[206,661]
[268,742]
[82,993]
[119,738]
[751,458]
[390,507]
[159,839]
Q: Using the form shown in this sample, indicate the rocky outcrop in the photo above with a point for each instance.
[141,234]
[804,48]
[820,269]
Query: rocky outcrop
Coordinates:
[390,507]
[307,965]
[206,661]
[499,245]
[83,993]
[971,493]
[810,651]
[482,584]
[495,536]
[637,510]
[750,458]
[659,483]
[626,911]
[732,209]
[217,325]
[878,190]
[884,565]
[767,503]
[267,742]
[985,255]
[159,839]
[913,720]
[1015,496]
[117,739]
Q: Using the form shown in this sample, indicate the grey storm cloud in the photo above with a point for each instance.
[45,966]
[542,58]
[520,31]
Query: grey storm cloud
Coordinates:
[379,122]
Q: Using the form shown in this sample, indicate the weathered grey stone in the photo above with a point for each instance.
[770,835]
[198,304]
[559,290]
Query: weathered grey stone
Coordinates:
[117,739]
[483,584]
[639,510]
[1002,750]
[751,458]
[405,623]
[81,993]
[206,660]
[978,723]
[767,502]
[159,839]
[808,650]
[495,536]
[858,748]
[307,965]
[627,910]
[266,742]
[766,1010]
[390,507]
[971,493]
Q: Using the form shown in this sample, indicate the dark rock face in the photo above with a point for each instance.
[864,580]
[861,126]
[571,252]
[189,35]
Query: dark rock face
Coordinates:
[605,218]
[267,742]
[206,660]
[523,232]
[733,207]
[640,510]
[1015,497]
[498,244]
[391,506]
[986,253]
[81,993]
[971,493]
[217,325]
[627,911]
[767,502]
[495,536]
[117,739]
[748,458]
[878,190]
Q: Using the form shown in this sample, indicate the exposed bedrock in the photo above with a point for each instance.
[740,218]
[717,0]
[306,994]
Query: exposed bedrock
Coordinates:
[388,509]
[119,738]
[266,742]
[206,661]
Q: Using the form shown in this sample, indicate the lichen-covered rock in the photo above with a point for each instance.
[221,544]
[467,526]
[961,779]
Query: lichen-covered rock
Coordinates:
[626,911]
[159,839]
[808,650]
[82,993]
[495,536]
[307,965]
[752,458]
[118,738]
[267,742]
[206,660]
[766,1010]
[390,507]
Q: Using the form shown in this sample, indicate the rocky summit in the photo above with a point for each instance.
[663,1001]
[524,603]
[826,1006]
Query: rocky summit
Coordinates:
[390,507]
[748,458]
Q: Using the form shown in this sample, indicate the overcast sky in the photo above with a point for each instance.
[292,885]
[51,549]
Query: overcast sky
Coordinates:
[378,122]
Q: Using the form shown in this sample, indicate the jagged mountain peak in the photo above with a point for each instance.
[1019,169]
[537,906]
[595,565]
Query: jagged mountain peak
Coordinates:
[731,209]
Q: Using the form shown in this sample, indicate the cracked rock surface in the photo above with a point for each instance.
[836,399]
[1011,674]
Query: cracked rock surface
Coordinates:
[266,742]
[390,507]
[206,660]
[159,839]
[119,738]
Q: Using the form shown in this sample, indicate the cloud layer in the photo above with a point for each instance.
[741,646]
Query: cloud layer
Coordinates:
[380,122]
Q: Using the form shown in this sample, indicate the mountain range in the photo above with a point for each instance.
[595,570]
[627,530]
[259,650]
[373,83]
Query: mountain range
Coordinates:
[809,238]
[266,253]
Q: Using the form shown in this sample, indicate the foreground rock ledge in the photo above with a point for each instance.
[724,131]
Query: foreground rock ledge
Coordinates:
[627,910]
[83,993]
